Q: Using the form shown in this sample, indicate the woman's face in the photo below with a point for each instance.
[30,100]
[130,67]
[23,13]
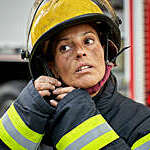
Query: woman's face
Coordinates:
[79,57]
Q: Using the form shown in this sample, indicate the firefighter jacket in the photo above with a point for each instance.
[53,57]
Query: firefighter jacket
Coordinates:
[109,121]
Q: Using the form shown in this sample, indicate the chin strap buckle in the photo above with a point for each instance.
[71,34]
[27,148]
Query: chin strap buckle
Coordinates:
[24,54]
[120,52]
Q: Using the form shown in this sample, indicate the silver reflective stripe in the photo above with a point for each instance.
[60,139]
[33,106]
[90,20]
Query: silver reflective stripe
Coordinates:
[89,136]
[145,146]
[20,139]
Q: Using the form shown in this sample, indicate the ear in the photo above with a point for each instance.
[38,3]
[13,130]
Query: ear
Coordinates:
[53,68]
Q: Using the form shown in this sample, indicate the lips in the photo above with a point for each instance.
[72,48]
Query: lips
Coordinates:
[83,67]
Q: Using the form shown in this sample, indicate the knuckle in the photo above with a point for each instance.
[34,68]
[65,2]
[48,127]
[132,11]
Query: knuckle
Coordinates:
[72,88]
[52,87]
[54,81]
[44,93]
[37,86]
[50,80]
[61,96]
[58,97]
[41,93]
[53,103]
[40,78]
[36,81]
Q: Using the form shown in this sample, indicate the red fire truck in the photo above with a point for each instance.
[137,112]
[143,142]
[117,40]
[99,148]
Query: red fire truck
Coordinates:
[137,61]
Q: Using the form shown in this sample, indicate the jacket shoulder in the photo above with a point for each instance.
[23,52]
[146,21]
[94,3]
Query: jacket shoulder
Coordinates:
[132,119]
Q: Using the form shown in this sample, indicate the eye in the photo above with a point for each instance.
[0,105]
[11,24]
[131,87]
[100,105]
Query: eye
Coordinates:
[64,48]
[89,41]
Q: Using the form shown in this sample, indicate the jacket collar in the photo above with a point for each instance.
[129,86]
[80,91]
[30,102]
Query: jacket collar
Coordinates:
[105,98]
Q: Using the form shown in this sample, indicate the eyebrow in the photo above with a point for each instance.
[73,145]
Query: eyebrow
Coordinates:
[66,39]
[88,32]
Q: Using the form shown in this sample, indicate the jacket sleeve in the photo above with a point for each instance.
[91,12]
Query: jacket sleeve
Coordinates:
[79,125]
[140,137]
[22,126]
[143,143]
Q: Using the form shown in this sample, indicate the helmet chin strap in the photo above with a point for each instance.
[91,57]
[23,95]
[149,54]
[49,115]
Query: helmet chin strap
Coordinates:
[48,72]
[109,65]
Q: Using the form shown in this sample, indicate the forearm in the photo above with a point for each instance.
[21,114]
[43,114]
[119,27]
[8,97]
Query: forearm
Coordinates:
[23,125]
[79,125]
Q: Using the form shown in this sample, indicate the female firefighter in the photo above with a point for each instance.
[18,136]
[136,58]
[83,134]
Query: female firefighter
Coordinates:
[72,102]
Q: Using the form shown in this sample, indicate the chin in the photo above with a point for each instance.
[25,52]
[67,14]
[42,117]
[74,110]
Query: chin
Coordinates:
[86,83]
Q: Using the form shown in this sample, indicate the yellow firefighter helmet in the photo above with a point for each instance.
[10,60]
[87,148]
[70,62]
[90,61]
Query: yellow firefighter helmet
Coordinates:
[50,17]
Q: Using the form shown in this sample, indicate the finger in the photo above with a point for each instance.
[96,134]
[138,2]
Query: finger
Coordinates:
[45,79]
[53,103]
[44,93]
[63,90]
[61,96]
[44,86]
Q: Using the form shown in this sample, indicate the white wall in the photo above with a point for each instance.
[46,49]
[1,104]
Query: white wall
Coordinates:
[13,19]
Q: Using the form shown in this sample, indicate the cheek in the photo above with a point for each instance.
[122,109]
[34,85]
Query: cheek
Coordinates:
[62,65]
[98,54]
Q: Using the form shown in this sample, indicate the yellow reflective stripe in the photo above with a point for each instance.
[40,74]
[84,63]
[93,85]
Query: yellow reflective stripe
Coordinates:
[21,127]
[8,140]
[79,131]
[20,139]
[101,141]
[141,141]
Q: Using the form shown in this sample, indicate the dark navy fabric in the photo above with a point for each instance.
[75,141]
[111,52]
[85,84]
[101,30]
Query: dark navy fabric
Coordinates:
[130,120]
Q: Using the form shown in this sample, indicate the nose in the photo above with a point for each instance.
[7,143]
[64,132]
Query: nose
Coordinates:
[81,52]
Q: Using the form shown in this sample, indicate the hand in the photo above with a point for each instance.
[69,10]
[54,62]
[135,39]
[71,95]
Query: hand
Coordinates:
[44,84]
[61,92]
